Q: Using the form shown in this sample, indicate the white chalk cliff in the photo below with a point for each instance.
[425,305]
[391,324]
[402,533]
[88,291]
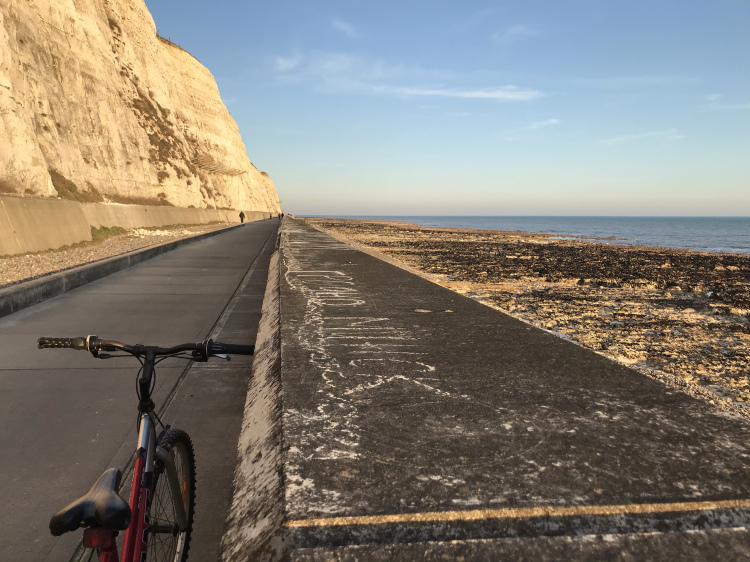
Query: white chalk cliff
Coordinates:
[90,91]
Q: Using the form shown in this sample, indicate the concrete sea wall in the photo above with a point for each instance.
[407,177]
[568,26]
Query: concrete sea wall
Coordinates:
[33,224]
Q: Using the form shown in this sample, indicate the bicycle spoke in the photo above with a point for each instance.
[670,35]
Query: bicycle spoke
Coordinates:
[166,540]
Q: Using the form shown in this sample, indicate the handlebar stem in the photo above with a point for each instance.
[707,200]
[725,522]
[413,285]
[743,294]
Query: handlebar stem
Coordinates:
[144,383]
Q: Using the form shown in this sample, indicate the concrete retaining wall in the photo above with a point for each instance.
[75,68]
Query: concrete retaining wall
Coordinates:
[33,225]
[137,216]
[30,225]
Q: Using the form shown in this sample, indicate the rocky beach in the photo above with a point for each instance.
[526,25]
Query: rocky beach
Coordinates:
[679,316]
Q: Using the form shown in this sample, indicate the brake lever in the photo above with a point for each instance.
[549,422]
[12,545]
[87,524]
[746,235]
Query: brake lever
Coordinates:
[199,356]
[222,356]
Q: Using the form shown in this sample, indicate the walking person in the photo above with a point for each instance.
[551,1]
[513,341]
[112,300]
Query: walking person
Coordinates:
[242,216]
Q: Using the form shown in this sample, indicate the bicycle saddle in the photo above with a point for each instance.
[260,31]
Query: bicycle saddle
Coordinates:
[102,508]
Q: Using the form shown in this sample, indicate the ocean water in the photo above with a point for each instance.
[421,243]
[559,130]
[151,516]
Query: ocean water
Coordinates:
[703,234]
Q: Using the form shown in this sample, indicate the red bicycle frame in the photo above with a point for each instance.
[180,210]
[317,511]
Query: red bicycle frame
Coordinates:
[135,542]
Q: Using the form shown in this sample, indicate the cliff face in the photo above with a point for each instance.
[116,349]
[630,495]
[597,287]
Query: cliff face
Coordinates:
[93,104]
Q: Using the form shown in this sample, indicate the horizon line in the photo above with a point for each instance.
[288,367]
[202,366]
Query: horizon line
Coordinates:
[538,216]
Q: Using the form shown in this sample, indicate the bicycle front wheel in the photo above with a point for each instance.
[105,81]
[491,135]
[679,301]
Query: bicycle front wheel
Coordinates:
[166,542]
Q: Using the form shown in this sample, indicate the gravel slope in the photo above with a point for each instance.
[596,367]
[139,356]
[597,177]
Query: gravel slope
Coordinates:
[17,269]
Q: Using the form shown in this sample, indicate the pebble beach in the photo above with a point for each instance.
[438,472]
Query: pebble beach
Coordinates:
[678,316]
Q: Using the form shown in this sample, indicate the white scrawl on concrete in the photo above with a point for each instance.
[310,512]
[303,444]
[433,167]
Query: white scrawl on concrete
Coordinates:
[332,339]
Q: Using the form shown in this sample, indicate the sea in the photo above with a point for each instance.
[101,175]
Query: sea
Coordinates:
[702,234]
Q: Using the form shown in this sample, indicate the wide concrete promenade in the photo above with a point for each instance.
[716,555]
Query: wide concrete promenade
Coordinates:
[419,424]
[65,417]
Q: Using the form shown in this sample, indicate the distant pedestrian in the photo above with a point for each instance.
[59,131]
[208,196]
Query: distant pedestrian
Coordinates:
[242,216]
[270,216]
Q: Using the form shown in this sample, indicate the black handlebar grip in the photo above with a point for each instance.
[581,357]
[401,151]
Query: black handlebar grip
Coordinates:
[71,343]
[232,349]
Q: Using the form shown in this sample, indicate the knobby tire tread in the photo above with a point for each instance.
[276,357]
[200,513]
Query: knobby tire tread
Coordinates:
[170,438]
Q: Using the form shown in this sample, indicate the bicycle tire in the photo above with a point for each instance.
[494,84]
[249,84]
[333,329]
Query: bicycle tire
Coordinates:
[172,547]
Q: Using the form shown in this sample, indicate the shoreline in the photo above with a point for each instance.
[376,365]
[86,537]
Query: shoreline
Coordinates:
[676,315]
[695,239]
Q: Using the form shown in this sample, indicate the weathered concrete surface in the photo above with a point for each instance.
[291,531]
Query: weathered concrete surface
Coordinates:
[430,417]
[254,524]
[88,89]
[23,295]
[65,417]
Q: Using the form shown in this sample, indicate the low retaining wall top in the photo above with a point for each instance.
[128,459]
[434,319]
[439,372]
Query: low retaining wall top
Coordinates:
[32,225]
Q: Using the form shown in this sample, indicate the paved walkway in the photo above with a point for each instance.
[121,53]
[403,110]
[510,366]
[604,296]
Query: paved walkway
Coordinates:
[65,417]
[420,423]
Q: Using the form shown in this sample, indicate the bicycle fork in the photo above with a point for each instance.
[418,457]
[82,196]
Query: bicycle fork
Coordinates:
[136,536]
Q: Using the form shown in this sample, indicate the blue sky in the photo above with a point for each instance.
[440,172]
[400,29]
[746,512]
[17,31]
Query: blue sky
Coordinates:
[554,107]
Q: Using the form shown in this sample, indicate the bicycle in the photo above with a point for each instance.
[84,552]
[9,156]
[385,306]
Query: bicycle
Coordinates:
[158,518]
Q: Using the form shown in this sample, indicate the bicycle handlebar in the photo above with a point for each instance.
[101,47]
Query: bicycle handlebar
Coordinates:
[218,348]
[72,343]
[204,349]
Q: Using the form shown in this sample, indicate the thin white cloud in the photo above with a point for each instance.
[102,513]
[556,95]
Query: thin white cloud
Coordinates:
[504,93]
[283,64]
[347,73]
[542,124]
[346,28]
[338,66]
[714,97]
[514,33]
[667,134]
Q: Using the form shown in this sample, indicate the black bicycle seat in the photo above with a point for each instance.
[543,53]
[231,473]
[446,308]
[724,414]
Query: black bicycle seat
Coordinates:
[101,508]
